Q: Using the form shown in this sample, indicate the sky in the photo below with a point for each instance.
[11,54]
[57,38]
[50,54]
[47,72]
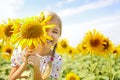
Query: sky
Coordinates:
[78,16]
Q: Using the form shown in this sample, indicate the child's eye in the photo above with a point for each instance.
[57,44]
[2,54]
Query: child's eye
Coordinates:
[55,32]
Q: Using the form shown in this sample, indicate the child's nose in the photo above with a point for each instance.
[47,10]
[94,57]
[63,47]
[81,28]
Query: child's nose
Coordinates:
[50,34]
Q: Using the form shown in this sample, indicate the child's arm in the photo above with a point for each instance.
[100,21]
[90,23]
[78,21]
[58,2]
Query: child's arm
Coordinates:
[37,74]
[16,71]
[34,61]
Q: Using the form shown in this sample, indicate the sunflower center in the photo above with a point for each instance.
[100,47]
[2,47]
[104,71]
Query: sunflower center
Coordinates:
[115,51]
[9,51]
[84,47]
[64,45]
[106,45]
[0,46]
[94,42]
[32,31]
[70,51]
[72,78]
[8,30]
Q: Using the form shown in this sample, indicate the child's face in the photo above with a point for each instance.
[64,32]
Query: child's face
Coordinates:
[54,33]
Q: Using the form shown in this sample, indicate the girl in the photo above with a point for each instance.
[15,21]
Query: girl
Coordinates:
[45,62]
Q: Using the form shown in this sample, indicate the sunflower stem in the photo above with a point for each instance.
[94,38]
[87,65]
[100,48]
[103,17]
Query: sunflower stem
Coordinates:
[32,71]
[97,66]
[91,59]
[110,66]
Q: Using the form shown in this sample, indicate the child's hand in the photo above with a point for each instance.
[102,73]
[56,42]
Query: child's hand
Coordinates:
[28,52]
[34,60]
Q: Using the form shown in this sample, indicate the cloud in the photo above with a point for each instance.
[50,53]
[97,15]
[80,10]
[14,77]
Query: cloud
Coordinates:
[86,7]
[9,7]
[102,21]
[60,3]
[107,25]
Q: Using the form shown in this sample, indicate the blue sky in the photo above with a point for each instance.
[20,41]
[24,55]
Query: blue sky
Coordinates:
[78,16]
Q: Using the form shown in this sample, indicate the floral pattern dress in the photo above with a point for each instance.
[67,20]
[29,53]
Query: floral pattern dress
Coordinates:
[17,56]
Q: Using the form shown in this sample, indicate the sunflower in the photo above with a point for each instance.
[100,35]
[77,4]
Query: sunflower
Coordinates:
[7,51]
[1,46]
[62,46]
[72,76]
[116,51]
[71,51]
[17,24]
[82,48]
[6,29]
[94,41]
[1,31]
[32,31]
[107,47]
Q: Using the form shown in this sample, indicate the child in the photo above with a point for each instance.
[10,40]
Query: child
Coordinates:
[45,62]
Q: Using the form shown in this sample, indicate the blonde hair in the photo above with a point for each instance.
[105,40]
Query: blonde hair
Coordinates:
[54,17]
[48,70]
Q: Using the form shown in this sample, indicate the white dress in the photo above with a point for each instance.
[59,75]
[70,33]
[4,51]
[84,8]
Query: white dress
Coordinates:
[17,56]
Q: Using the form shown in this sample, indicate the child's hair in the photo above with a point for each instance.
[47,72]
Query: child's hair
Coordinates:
[46,74]
[55,17]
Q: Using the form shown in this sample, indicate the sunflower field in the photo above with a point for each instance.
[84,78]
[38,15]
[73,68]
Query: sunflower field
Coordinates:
[94,58]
